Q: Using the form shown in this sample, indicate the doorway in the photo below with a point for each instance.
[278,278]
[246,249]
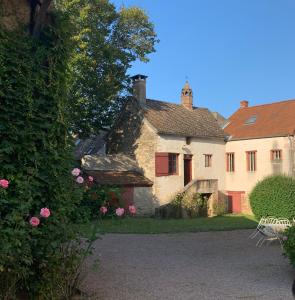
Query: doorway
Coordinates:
[187,163]
[234,201]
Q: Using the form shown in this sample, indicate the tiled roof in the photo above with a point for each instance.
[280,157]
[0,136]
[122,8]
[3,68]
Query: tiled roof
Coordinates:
[115,162]
[130,178]
[274,119]
[174,119]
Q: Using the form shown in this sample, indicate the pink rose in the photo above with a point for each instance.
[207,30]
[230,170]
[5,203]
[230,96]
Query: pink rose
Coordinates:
[34,221]
[80,179]
[132,209]
[103,210]
[120,211]
[45,212]
[90,178]
[285,238]
[76,172]
[4,183]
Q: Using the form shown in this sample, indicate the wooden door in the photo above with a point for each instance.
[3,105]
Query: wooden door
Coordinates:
[234,201]
[187,162]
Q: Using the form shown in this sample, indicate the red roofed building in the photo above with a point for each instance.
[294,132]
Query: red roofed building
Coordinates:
[260,142]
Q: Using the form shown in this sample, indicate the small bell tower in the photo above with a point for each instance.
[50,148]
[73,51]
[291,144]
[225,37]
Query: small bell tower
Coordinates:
[187,96]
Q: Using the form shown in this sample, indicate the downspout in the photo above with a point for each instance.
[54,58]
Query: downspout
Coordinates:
[291,154]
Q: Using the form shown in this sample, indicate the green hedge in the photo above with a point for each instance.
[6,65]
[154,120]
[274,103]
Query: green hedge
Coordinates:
[289,244]
[274,196]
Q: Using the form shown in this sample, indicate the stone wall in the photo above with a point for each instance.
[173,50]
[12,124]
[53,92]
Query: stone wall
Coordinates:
[133,135]
[142,200]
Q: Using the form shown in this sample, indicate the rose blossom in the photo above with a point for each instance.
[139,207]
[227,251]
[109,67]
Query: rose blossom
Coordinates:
[4,183]
[285,238]
[120,211]
[132,209]
[90,178]
[34,221]
[103,210]
[80,179]
[45,212]
[76,172]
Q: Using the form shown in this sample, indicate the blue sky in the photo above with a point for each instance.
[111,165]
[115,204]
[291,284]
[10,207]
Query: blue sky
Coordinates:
[230,50]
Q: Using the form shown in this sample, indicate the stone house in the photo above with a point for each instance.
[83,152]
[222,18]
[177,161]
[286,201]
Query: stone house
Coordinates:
[260,142]
[180,147]
[173,144]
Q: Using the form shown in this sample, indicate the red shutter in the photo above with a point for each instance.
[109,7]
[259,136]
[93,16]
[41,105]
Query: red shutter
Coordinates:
[162,163]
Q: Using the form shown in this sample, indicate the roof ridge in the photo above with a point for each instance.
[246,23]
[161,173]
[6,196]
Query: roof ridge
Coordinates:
[265,104]
[172,103]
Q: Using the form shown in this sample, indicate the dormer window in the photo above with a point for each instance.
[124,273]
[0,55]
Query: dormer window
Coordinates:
[188,140]
[251,120]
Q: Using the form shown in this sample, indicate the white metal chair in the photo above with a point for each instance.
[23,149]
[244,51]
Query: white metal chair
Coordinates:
[268,234]
[261,224]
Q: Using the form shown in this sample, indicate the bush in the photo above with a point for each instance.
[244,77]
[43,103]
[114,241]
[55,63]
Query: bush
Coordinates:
[219,208]
[274,196]
[289,244]
[191,205]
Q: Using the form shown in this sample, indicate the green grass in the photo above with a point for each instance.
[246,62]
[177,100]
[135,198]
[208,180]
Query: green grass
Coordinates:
[152,225]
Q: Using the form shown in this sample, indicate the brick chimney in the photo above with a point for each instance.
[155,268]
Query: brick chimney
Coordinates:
[187,96]
[139,88]
[244,103]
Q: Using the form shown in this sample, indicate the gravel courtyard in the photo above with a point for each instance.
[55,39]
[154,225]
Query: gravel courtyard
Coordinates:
[211,265]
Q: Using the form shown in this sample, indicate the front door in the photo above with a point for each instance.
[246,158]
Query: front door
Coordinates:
[187,162]
[234,201]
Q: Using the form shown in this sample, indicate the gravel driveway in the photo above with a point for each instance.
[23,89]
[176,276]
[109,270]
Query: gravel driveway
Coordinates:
[211,265]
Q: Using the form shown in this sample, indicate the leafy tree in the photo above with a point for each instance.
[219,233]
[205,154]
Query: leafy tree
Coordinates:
[107,41]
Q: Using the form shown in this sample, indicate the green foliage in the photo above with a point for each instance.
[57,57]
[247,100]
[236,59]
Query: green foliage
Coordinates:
[219,208]
[274,196]
[289,244]
[35,155]
[191,205]
[106,43]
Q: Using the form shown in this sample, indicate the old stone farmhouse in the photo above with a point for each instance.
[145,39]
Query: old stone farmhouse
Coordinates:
[178,147]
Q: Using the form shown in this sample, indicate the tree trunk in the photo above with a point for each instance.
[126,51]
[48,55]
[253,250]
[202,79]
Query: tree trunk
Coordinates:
[32,14]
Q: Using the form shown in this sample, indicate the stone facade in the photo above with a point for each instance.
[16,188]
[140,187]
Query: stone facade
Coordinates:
[142,200]
[134,136]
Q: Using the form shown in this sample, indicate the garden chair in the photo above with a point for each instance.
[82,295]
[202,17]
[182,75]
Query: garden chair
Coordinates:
[268,234]
[264,221]
[282,224]
[260,225]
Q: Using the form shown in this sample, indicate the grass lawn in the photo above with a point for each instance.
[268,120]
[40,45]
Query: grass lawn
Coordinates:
[153,225]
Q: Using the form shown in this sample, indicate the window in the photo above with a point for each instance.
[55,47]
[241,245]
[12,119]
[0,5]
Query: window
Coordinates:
[251,161]
[166,164]
[188,140]
[172,161]
[230,162]
[251,120]
[276,154]
[208,160]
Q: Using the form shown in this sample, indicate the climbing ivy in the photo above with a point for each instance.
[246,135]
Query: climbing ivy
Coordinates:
[35,155]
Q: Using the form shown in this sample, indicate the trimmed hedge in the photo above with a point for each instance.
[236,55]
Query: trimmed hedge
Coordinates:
[289,245]
[274,196]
